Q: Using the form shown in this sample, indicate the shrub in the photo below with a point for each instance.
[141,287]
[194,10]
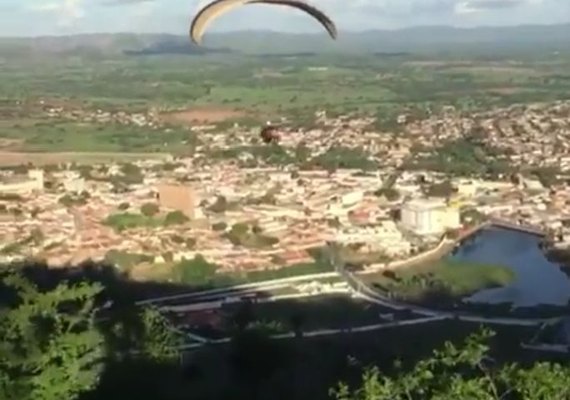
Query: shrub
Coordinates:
[149,209]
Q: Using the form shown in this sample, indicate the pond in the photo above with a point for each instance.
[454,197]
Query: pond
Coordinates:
[538,281]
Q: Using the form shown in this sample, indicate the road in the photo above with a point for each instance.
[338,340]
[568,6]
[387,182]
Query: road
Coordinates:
[215,298]
[322,332]
[247,288]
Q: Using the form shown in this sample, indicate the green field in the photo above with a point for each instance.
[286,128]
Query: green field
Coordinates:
[441,282]
[263,88]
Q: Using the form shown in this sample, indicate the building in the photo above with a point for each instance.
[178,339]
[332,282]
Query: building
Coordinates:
[73,182]
[178,197]
[22,185]
[429,216]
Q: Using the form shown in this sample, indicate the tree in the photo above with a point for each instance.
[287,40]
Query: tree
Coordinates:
[175,218]
[197,271]
[219,226]
[220,206]
[464,372]
[149,209]
[50,348]
[443,189]
[547,176]
[159,340]
[391,194]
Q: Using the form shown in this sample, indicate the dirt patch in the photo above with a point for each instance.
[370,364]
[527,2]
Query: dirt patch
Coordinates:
[7,144]
[202,115]
[39,159]
[435,63]
[508,90]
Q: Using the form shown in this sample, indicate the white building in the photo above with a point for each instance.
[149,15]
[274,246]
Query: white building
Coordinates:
[429,216]
[74,185]
[385,237]
[34,182]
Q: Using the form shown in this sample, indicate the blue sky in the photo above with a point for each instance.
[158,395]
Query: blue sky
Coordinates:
[60,17]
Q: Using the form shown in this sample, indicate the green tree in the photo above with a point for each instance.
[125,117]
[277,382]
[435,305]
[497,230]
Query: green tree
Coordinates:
[547,176]
[149,209]
[175,218]
[50,348]
[460,373]
[197,271]
[391,194]
[159,339]
[443,189]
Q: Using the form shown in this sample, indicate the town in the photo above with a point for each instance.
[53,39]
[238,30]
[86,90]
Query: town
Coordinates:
[370,204]
[243,212]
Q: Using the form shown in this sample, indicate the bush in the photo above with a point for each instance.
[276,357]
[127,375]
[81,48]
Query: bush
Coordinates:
[123,221]
[462,372]
[175,218]
[219,226]
[197,271]
[220,206]
[125,260]
[149,209]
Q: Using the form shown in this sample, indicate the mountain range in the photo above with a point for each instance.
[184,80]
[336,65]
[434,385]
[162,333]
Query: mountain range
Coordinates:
[417,40]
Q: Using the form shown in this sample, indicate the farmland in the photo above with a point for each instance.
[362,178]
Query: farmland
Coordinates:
[187,91]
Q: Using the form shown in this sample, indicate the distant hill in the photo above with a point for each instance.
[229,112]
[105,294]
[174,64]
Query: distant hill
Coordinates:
[417,40]
[105,44]
[174,46]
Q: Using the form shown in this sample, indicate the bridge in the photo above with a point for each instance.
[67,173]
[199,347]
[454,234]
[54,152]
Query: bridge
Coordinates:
[506,224]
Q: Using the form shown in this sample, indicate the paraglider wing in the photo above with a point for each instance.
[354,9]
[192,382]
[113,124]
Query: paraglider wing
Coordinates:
[320,16]
[218,7]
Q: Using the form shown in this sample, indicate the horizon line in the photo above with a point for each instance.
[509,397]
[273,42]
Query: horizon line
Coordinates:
[348,31]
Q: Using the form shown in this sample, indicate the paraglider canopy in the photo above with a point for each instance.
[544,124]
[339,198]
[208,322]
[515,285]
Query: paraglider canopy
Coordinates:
[218,7]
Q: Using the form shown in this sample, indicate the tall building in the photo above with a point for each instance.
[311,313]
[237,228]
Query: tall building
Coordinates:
[429,216]
[178,197]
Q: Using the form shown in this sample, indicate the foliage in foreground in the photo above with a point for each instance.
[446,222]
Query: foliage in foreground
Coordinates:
[50,347]
[463,373]
[54,348]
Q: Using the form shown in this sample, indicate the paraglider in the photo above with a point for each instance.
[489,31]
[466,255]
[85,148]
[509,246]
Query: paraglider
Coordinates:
[269,134]
[218,7]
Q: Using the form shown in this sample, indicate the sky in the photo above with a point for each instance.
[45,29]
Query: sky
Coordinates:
[63,17]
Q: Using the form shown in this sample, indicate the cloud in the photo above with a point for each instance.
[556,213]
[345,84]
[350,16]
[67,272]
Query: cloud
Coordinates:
[473,6]
[124,2]
[67,11]
[38,17]
[422,8]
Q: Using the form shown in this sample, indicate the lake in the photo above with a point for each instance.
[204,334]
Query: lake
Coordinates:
[538,281]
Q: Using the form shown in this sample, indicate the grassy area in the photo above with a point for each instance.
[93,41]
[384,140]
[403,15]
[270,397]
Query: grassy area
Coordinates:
[323,312]
[61,136]
[206,276]
[442,282]
[128,220]
[9,159]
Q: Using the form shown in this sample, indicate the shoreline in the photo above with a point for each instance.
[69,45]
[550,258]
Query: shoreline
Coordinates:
[457,303]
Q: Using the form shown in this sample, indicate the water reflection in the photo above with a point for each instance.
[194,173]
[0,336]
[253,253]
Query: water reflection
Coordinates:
[538,281]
